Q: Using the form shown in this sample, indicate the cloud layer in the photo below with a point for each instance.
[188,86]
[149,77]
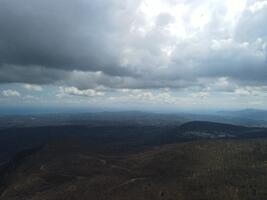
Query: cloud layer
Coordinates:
[10,93]
[87,45]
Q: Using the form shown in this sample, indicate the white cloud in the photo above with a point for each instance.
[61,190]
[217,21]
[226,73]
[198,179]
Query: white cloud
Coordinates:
[200,95]
[258,5]
[155,97]
[77,92]
[242,92]
[33,87]
[10,93]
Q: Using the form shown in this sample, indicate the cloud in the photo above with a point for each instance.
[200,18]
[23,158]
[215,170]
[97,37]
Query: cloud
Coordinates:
[136,44]
[31,74]
[200,95]
[57,34]
[10,93]
[136,96]
[32,87]
[76,92]
[257,6]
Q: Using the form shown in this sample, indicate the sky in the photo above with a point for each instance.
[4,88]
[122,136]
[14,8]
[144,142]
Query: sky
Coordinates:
[135,54]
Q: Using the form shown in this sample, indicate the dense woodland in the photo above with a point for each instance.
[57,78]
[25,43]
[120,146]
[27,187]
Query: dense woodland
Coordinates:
[194,161]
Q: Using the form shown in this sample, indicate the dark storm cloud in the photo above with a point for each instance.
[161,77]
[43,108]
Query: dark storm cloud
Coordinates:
[31,74]
[63,34]
[116,44]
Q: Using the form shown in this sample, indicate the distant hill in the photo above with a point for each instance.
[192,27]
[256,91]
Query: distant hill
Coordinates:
[205,129]
[211,126]
[247,113]
[128,118]
[104,136]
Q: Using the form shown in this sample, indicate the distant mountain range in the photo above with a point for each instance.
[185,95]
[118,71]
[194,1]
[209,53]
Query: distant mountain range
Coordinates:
[248,117]
[204,129]
[247,113]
